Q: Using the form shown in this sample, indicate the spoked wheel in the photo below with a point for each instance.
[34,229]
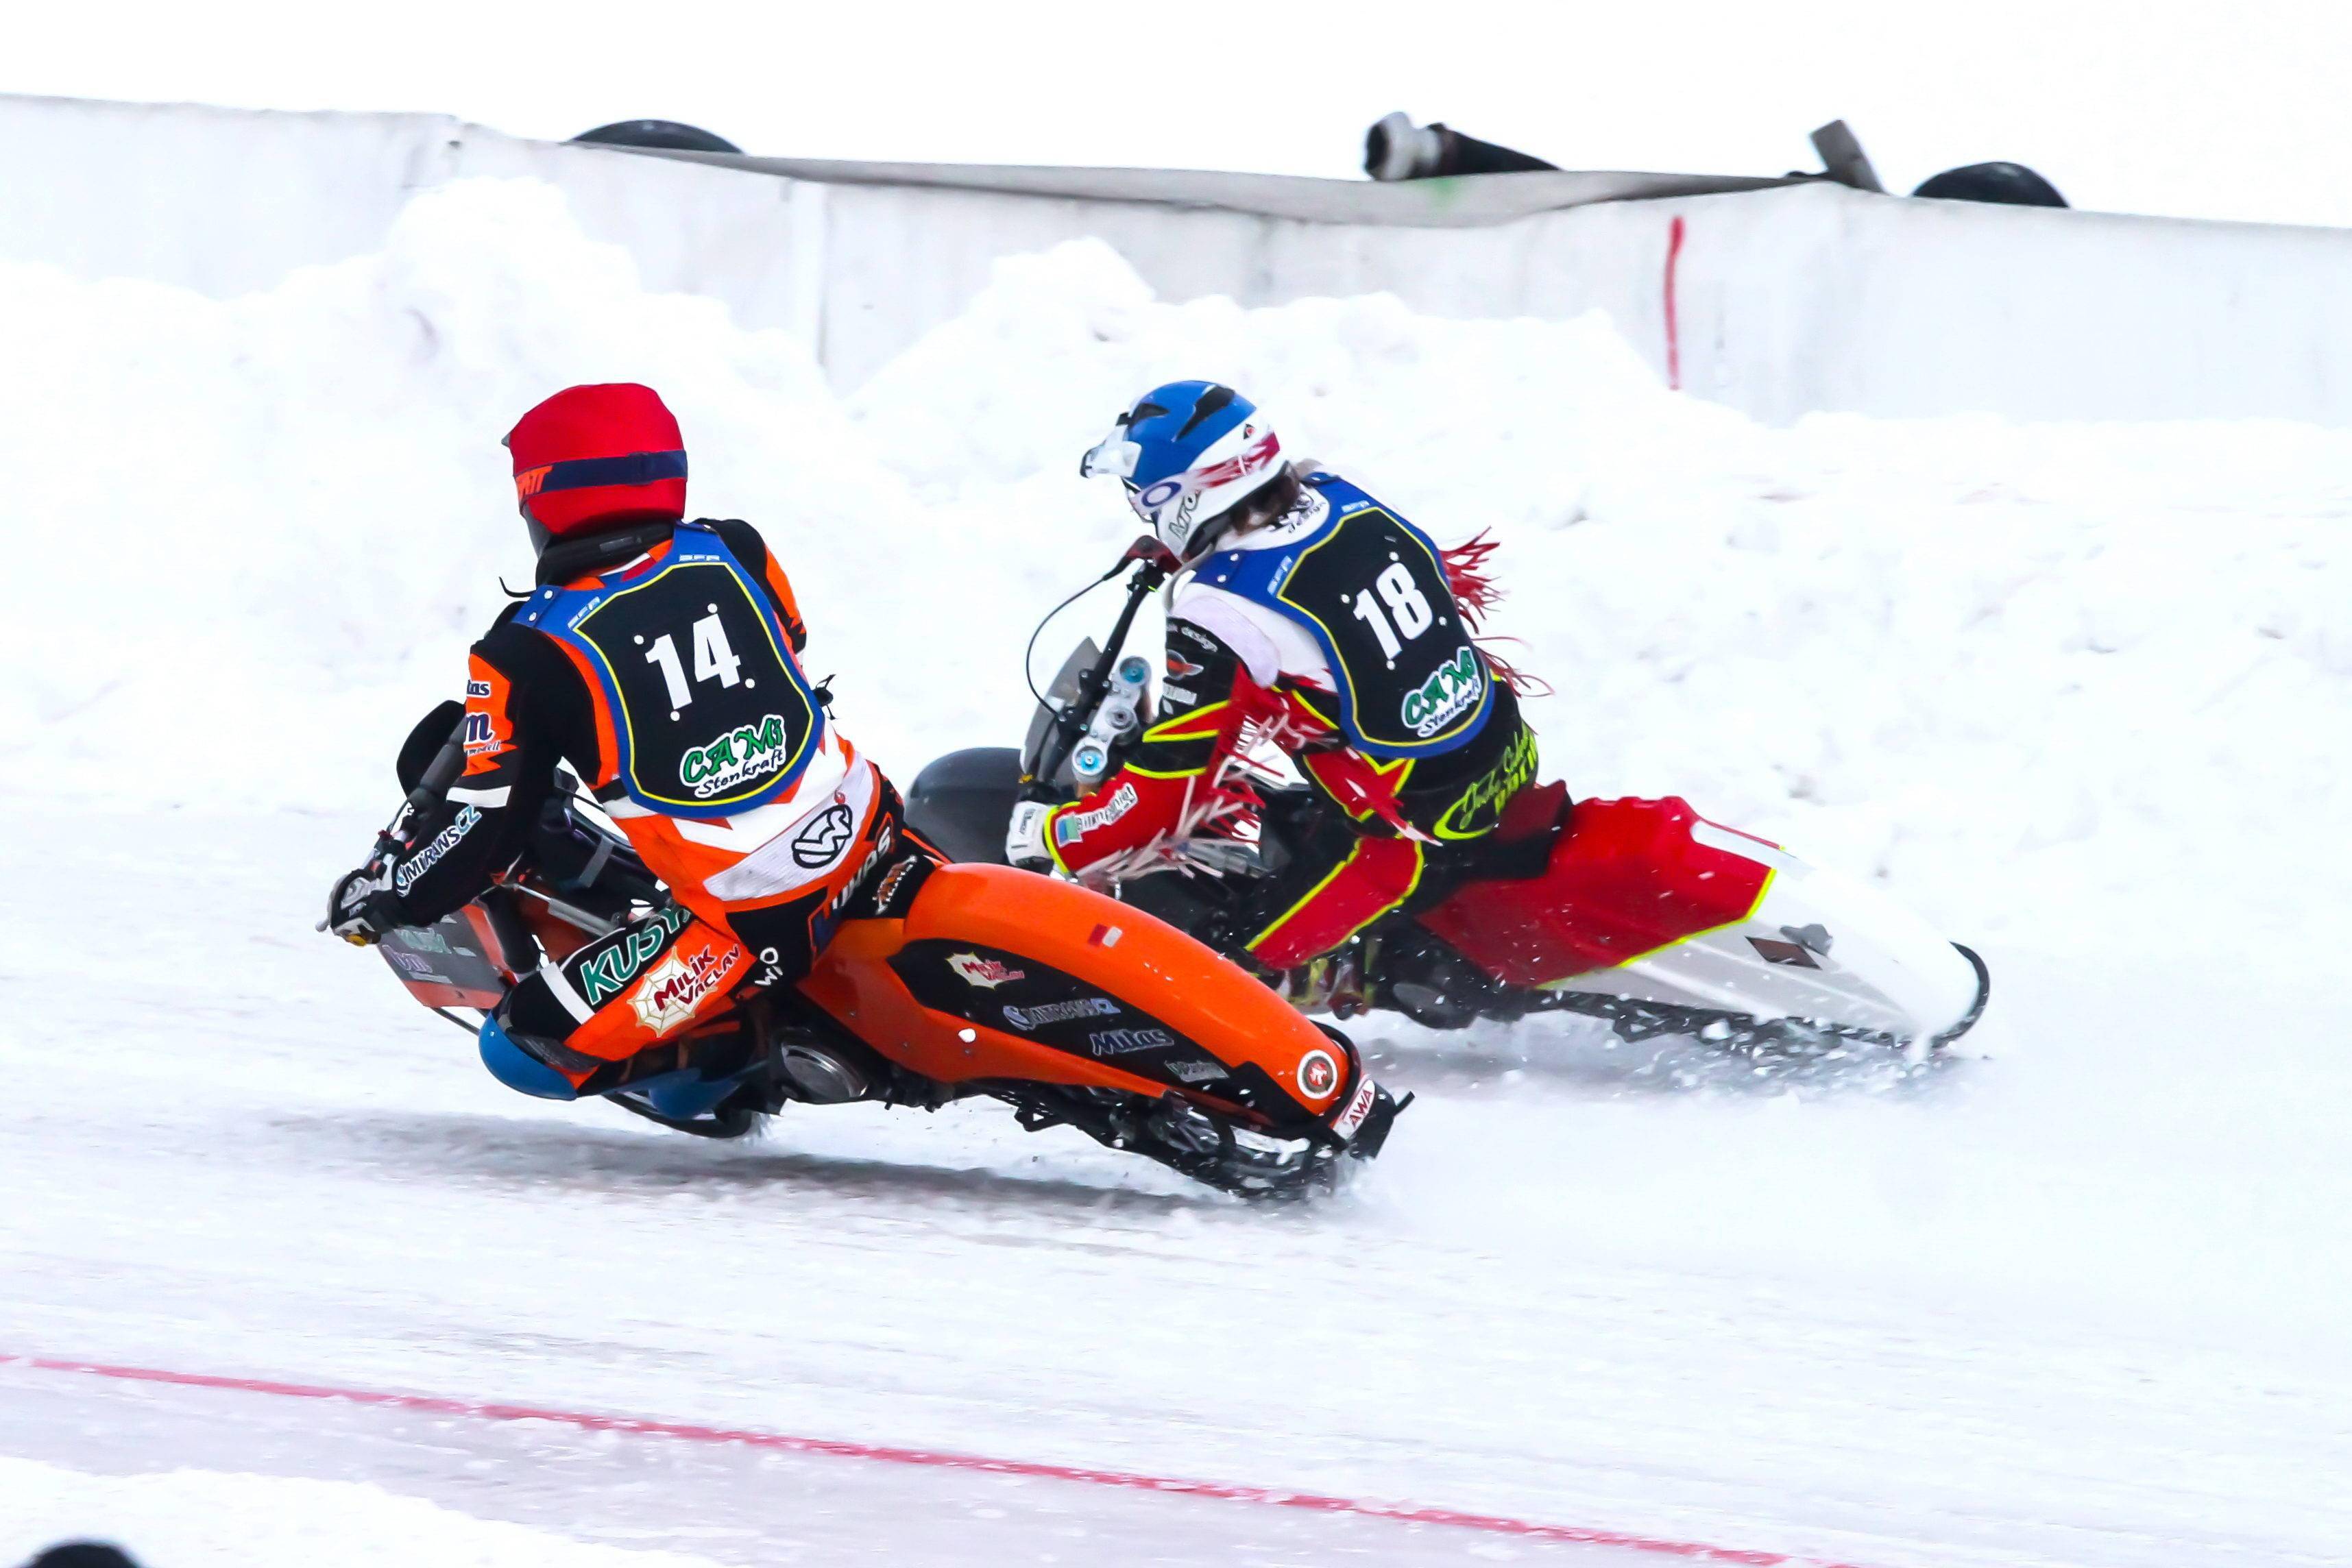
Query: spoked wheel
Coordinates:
[1212,1149]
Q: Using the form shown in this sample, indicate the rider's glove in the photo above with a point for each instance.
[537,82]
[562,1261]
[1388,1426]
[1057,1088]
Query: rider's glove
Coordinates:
[361,909]
[1025,840]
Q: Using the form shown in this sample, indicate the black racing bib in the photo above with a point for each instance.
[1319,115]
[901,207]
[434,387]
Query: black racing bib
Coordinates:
[1371,589]
[710,713]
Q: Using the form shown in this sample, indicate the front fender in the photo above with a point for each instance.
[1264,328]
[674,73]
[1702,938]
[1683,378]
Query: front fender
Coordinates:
[997,973]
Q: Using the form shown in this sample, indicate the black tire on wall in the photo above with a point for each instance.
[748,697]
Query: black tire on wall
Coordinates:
[665,135]
[2008,184]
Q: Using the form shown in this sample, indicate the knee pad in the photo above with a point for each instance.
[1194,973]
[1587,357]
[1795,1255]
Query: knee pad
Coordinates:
[517,1069]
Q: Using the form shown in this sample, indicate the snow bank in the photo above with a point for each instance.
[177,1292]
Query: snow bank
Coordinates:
[199,1518]
[2056,682]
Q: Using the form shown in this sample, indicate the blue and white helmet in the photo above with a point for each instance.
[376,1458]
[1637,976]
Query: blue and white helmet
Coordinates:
[1189,452]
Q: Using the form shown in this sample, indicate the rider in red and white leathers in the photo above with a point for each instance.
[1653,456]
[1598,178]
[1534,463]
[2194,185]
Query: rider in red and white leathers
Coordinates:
[1313,618]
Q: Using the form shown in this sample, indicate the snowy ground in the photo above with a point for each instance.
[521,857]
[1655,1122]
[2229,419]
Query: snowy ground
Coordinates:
[2081,694]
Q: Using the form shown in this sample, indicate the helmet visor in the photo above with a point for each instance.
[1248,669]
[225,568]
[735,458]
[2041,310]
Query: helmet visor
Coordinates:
[1114,457]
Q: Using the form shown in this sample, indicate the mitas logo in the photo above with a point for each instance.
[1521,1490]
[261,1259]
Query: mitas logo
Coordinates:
[679,985]
[975,970]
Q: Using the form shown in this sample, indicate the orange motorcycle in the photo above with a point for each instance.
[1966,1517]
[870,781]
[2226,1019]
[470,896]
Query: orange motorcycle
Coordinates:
[1070,1007]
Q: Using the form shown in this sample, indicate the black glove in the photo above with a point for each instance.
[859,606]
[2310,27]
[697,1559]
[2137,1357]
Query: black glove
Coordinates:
[362,908]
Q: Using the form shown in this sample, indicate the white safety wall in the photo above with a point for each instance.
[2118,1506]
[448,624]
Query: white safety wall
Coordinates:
[1783,302]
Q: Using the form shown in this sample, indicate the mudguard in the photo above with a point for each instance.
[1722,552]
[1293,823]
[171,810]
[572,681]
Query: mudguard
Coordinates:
[1003,974]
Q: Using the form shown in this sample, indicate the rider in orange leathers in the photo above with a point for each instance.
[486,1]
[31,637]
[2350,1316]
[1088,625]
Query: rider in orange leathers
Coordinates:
[658,657]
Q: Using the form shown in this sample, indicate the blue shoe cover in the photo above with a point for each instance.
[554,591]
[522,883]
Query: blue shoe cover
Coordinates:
[682,1096]
[517,1069]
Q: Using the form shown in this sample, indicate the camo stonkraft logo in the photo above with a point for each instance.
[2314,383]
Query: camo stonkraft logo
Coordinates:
[742,753]
[1452,688]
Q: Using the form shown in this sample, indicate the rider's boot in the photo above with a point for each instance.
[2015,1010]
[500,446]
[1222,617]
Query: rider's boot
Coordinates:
[1333,983]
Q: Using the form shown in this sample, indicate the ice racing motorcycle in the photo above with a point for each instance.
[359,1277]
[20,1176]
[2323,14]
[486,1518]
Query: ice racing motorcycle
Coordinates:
[1072,1008]
[1641,913]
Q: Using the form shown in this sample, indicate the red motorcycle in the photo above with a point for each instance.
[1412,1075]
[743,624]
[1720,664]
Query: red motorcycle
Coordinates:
[1641,913]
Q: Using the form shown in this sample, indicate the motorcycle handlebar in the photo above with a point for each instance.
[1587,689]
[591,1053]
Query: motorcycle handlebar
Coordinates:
[1154,564]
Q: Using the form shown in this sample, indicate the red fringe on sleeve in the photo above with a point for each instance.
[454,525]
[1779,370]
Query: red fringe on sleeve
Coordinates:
[1467,574]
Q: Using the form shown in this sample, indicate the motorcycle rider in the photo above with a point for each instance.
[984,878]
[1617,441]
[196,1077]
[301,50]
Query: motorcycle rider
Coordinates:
[658,658]
[1308,615]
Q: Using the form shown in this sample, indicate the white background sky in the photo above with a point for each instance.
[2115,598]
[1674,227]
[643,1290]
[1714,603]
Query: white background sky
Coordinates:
[2212,109]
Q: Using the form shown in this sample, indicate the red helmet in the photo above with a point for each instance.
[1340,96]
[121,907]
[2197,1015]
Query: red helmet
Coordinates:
[591,456]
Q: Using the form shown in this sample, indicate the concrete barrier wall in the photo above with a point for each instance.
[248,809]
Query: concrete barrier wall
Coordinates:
[1777,300]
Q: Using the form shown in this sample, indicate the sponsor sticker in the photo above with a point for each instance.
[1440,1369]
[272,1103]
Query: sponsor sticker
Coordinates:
[892,880]
[442,843]
[1027,1019]
[1318,1074]
[1197,1071]
[1345,1124]
[1072,825]
[1120,1041]
[608,972]
[478,688]
[975,970]
[821,843]
[1184,697]
[1452,688]
[410,963]
[1179,667]
[874,857]
[675,987]
[480,734]
[422,938]
[742,753]
[1479,807]
[1103,936]
[1789,953]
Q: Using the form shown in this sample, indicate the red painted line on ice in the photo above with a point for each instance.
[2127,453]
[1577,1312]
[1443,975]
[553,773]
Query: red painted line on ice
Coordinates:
[1408,1513]
[1674,327]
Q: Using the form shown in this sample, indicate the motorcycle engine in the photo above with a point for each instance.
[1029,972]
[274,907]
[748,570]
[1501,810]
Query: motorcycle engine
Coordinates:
[820,1077]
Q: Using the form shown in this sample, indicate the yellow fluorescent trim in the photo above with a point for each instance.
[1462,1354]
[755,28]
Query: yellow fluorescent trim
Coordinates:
[1167,729]
[1310,895]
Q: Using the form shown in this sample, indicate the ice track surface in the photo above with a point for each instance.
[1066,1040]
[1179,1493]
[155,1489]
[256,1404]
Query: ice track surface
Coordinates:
[2080,694]
[1879,1318]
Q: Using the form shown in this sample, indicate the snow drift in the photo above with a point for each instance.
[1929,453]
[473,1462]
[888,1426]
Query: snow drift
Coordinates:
[2045,680]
